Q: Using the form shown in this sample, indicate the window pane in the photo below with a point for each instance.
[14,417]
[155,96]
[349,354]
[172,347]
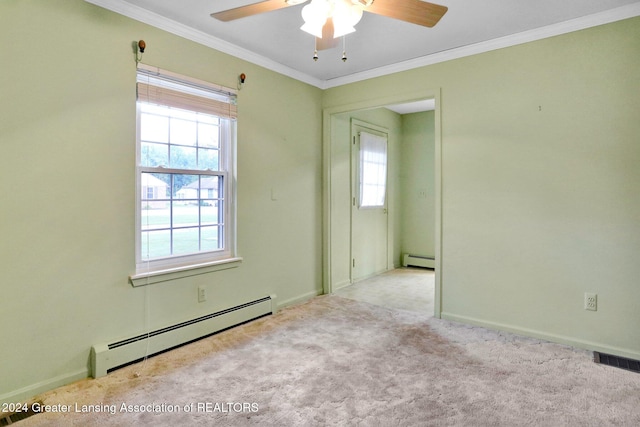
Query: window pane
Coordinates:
[208,118]
[183,157]
[186,240]
[155,244]
[154,154]
[186,188]
[185,215]
[154,190]
[208,159]
[207,135]
[183,132]
[209,187]
[154,219]
[373,170]
[209,213]
[155,109]
[373,195]
[211,238]
[178,113]
[154,128]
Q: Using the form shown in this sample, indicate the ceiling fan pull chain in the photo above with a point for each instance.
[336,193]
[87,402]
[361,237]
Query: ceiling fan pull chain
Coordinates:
[344,48]
[315,48]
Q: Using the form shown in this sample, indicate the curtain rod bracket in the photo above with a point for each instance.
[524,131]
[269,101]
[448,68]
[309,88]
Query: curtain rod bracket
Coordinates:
[138,48]
[241,78]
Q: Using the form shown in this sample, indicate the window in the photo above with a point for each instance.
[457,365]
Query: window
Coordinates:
[373,170]
[185,169]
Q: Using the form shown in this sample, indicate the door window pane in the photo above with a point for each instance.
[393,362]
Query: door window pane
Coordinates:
[373,170]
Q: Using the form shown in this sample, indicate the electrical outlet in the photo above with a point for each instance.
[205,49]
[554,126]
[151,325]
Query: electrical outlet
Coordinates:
[202,294]
[590,301]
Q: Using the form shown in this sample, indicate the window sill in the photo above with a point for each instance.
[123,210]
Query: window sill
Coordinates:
[157,276]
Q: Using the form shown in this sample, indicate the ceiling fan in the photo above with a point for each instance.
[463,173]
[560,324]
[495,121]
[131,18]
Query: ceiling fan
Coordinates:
[330,19]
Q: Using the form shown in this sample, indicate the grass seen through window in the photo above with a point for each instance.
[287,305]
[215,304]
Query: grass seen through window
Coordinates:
[194,228]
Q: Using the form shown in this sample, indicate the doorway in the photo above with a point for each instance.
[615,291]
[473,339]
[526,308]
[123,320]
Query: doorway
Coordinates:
[338,200]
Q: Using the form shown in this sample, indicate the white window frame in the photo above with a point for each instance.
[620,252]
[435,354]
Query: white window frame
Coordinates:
[170,265]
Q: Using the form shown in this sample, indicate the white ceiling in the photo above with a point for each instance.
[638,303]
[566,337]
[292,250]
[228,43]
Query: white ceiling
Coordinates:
[413,107]
[380,45]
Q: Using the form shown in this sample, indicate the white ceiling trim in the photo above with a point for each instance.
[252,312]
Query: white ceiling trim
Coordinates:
[151,18]
[577,24]
[139,14]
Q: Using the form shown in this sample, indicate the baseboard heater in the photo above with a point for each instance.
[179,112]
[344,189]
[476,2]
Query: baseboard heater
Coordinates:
[418,261]
[108,357]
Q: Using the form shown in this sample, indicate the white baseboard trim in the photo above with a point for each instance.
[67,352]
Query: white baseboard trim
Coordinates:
[24,394]
[369,276]
[560,339]
[341,285]
[299,299]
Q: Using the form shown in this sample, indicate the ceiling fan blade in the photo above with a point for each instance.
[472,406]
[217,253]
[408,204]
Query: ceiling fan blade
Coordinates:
[250,9]
[414,11]
[327,41]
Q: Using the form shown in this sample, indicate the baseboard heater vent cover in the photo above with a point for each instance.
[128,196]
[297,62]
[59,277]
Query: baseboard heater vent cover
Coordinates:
[418,261]
[109,357]
[617,361]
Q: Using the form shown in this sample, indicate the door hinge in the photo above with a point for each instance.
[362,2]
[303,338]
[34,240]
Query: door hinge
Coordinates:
[354,140]
[354,201]
[353,262]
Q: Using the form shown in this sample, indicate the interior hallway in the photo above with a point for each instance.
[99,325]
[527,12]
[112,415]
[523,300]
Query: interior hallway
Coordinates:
[410,289]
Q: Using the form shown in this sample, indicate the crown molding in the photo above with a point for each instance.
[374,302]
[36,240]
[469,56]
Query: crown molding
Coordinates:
[565,27]
[139,14]
[151,18]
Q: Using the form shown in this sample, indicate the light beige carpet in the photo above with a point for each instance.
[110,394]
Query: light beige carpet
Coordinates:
[336,361]
[407,288]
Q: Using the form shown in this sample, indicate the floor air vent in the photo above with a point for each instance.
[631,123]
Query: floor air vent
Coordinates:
[27,410]
[617,361]
[108,357]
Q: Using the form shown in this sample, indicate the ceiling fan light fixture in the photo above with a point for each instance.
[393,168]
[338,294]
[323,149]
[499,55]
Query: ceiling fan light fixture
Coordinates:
[315,15]
[313,29]
[363,3]
[341,28]
[294,2]
[345,17]
[344,13]
[342,31]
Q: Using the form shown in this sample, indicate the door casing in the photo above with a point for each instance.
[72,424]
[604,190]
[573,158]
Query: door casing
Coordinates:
[365,104]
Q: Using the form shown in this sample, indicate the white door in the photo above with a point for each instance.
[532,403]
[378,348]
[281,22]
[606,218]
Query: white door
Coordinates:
[369,219]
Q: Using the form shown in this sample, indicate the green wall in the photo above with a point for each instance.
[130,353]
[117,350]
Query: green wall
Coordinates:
[417,183]
[67,174]
[540,183]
